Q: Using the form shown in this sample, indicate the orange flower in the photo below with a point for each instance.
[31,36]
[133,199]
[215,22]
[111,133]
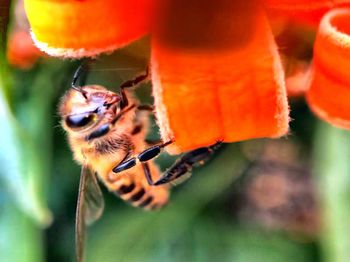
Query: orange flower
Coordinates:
[216,70]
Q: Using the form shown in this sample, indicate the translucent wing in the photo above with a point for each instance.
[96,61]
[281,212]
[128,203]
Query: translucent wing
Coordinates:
[89,208]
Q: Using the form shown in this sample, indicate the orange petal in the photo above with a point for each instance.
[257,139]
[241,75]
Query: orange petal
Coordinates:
[306,11]
[73,28]
[216,74]
[329,94]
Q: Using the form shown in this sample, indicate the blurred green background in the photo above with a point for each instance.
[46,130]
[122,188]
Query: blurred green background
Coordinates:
[261,200]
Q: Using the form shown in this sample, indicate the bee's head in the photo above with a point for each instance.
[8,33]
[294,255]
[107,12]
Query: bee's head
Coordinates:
[84,109]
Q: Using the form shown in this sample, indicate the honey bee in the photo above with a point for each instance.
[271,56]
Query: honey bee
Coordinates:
[106,132]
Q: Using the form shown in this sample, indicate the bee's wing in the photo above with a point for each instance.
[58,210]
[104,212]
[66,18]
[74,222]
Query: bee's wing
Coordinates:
[89,207]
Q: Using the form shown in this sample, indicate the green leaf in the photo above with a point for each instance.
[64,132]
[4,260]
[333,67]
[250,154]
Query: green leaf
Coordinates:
[332,168]
[16,178]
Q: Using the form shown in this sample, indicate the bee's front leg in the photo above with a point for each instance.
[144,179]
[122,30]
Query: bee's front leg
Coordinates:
[129,84]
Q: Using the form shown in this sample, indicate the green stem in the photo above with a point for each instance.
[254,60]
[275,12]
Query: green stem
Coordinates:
[332,167]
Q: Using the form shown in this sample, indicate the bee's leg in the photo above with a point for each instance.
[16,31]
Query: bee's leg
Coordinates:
[147,172]
[122,113]
[145,107]
[153,142]
[152,152]
[129,84]
[125,164]
[185,164]
[180,168]
[142,157]
[138,126]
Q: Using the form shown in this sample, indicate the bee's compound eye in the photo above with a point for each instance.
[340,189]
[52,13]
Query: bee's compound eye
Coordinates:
[80,120]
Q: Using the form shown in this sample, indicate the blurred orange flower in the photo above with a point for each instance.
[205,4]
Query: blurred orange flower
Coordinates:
[21,51]
[216,70]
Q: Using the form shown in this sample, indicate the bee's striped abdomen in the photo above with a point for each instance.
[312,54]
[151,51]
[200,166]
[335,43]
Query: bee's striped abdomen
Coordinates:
[141,197]
[137,195]
[134,189]
[124,189]
[146,202]
[130,185]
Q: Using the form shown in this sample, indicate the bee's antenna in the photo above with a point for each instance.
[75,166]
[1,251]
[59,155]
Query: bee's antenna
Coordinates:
[82,68]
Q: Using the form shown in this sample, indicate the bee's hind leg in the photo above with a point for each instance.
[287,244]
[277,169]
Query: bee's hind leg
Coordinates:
[185,163]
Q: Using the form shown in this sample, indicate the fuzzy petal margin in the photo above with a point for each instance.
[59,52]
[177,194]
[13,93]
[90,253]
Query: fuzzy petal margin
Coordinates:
[216,74]
[329,93]
[76,29]
[308,12]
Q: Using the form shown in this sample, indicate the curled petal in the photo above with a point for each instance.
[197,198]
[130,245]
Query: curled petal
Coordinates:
[76,29]
[305,11]
[329,93]
[216,74]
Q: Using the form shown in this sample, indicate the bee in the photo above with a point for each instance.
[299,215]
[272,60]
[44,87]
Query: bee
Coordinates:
[106,132]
